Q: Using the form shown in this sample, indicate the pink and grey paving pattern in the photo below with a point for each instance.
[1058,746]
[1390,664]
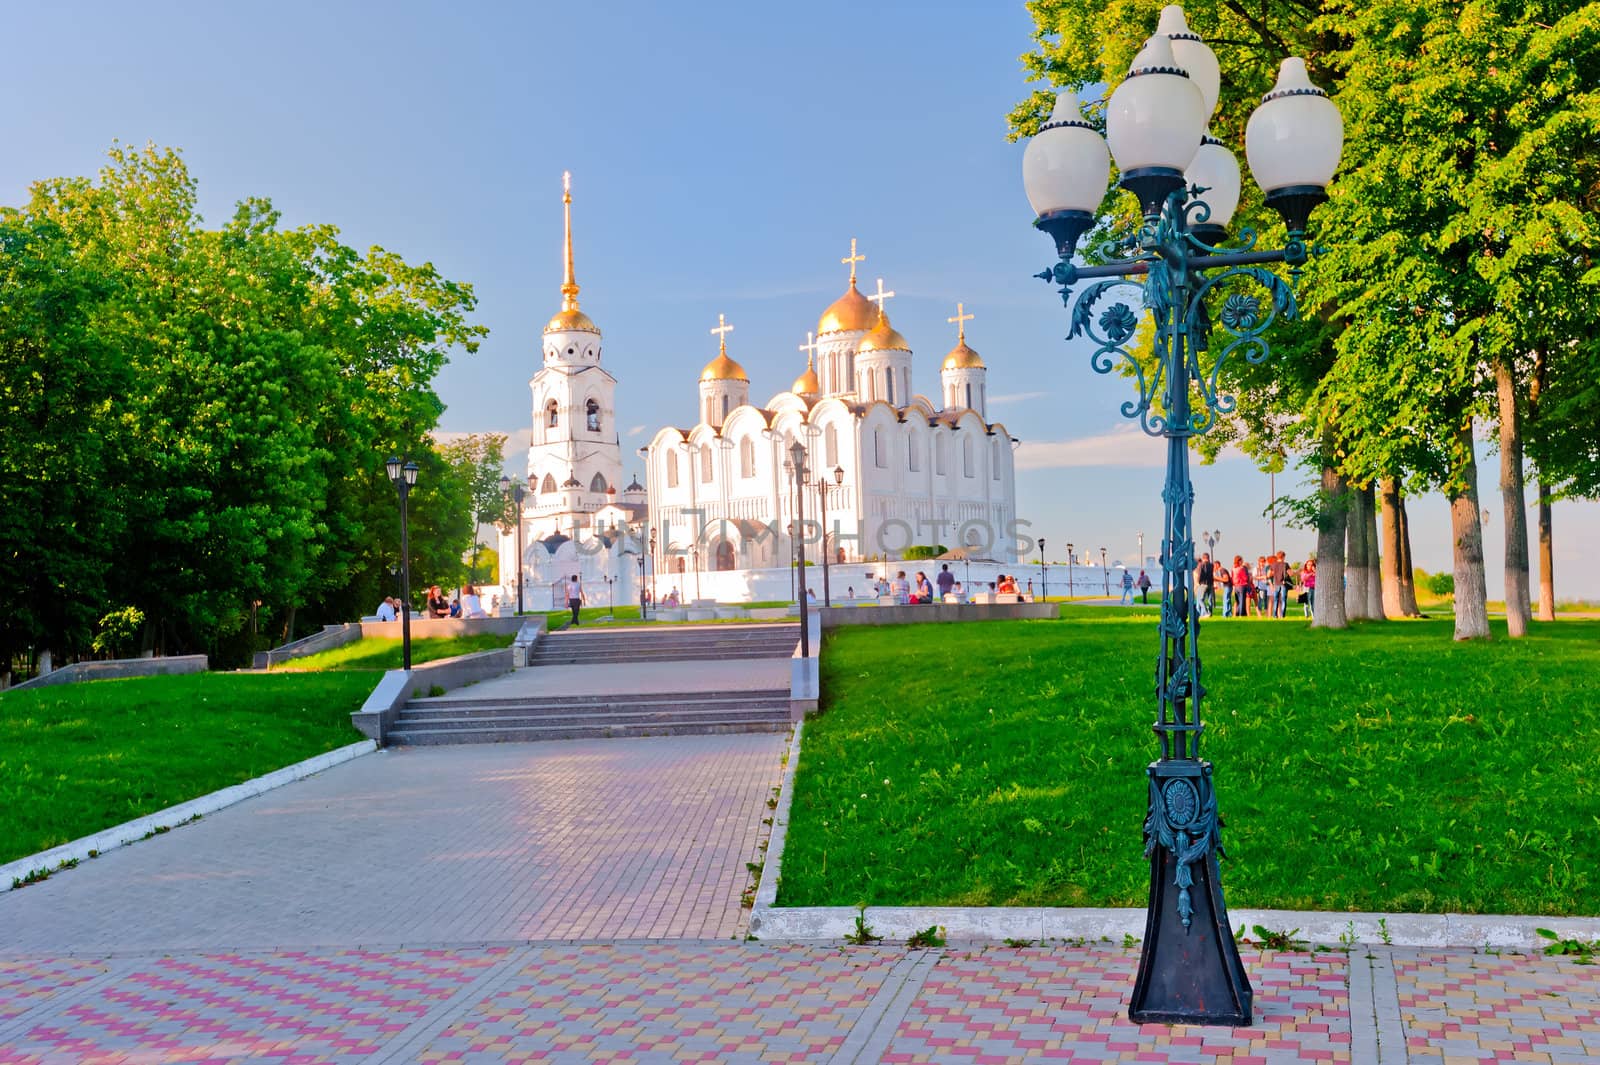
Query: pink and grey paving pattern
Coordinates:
[1498,1008]
[742,1002]
[580,839]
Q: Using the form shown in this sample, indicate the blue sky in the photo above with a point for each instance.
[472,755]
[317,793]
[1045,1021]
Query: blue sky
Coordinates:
[723,155]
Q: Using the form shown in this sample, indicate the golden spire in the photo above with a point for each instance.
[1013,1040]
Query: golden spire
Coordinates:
[961,319]
[852,260]
[569,284]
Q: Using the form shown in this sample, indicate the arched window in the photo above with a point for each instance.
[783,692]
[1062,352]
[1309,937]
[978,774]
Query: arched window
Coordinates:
[678,564]
[994,457]
[591,412]
[830,444]
[747,458]
[724,407]
[705,465]
[966,456]
[940,447]
[913,457]
[880,450]
[552,414]
[888,386]
[548,484]
[710,410]
[969,395]
[672,470]
[598,484]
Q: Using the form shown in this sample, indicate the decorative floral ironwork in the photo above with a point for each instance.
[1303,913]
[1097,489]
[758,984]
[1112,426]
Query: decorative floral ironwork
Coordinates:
[1240,312]
[1118,323]
[1183,820]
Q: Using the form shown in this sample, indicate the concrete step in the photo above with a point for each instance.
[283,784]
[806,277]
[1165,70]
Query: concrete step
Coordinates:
[460,705]
[583,658]
[407,723]
[422,737]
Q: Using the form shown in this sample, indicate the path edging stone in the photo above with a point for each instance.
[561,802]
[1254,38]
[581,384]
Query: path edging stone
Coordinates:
[140,827]
[1041,923]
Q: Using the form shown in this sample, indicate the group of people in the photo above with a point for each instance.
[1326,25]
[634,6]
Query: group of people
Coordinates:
[1241,590]
[903,591]
[467,604]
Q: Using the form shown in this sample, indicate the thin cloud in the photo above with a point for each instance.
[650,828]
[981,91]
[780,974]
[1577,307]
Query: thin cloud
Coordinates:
[1126,446]
[637,429]
[1017,397]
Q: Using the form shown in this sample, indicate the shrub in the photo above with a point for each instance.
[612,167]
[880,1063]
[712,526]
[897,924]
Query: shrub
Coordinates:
[918,551]
[1442,584]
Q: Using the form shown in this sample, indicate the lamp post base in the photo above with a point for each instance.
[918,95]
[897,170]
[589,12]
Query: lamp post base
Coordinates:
[1189,967]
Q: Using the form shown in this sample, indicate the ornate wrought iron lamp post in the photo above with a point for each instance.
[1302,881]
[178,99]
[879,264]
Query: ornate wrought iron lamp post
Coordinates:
[1105,570]
[517,494]
[1044,579]
[796,464]
[404,477]
[1069,571]
[1191,281]
[644,597]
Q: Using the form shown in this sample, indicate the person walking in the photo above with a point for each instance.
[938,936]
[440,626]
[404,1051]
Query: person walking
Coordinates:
[1278,583]
[1308,586]
[1205,577]
[946,581]
[1224,574]
[574,596]
[1144,586]
[1243,590]
[1127,587]
[1259,580]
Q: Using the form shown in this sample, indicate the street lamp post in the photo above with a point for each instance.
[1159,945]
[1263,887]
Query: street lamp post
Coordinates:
[1044,581]
[1205,298]
[654,567]
[1069,571]
[644,600]
[822,487]
[611,597]
[1105,570]
[796,464]
[517,494]
[404,476]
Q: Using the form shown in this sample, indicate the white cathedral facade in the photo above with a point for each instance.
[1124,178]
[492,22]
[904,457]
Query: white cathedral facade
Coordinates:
[887,467]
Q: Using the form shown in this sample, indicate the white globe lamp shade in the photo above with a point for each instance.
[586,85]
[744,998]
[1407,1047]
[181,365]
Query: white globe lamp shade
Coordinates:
[1293,141]
[1066,166]
[1192,54]
[1065,171]
[1216,170]
[1154,121]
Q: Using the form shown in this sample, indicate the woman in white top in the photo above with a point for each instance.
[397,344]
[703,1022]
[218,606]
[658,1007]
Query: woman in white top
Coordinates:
[471,605]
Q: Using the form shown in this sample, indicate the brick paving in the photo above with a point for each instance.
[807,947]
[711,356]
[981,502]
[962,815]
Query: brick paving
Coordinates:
[579,902]
[587,839]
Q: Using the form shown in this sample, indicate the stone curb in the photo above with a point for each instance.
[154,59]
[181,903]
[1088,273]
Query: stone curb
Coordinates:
[1038,924]
[173,816]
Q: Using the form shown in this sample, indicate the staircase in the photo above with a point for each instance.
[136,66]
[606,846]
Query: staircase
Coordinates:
[534,706]
[571,717]
[669,643]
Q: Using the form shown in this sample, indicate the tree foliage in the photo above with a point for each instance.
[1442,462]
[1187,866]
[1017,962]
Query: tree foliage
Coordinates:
[199,417]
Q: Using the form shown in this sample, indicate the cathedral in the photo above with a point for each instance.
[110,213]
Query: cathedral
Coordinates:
[886,467]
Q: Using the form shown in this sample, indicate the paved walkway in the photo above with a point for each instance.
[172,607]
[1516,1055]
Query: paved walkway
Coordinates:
[587,839]
[751,1002]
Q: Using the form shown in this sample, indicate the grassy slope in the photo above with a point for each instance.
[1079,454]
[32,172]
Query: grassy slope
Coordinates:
[78,758]
[1385,767]
[382,653]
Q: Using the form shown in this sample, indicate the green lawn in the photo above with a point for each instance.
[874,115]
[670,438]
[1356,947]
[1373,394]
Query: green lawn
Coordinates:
[382,653]
[1381,768]
[78,758]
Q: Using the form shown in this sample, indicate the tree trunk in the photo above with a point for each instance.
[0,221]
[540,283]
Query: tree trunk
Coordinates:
[1547,562]
[1466,530]
[1408,577]
[1392,553]
[1513,500]
[1328,608]
[1374,555]
[1358,558]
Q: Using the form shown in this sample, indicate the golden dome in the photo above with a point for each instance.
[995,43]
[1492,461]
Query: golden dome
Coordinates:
[852,311]
[884,337]
[723,368]
[806,384]
[571,319]
[962,357]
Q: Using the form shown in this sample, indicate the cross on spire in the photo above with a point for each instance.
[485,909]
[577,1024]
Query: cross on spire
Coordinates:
[853,259]
[569,282]
[721,332]
[961,319]
[809,347]
[879,296]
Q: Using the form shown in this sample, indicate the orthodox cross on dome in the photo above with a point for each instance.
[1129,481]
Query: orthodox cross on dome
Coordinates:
[721,332]
[879,296]
[961,319]
[853,259]
[809,347]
